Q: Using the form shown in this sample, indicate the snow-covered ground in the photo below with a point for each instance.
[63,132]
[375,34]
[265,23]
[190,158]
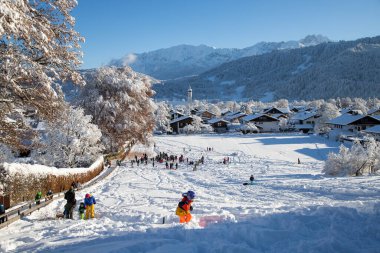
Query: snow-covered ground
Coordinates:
[290,208]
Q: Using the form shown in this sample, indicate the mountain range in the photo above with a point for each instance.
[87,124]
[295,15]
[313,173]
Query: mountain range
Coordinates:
[186,60]
[326,70]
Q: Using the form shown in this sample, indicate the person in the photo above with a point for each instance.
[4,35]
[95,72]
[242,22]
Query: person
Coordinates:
[184,207]
[70,204]
[38,197]
[251,179]
[89,202]
[2,211]
[49,195]
[81,210]
[299,161]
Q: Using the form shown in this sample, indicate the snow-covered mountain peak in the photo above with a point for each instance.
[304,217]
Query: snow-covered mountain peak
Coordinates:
[186,60]
[313,40]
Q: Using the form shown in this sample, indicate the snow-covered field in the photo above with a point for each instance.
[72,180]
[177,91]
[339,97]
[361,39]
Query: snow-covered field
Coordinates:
[290,208]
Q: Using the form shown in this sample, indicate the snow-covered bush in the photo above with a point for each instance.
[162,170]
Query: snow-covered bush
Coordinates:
[249,128]
[72,141]
[356,160]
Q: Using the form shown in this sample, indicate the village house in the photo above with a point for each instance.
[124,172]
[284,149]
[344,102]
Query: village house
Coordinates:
[263,122]
[348,124]
[274,111]
[179,123]
[206,115]
[175,114]
[374,132]
[219,125]
[374,112]
[303,121]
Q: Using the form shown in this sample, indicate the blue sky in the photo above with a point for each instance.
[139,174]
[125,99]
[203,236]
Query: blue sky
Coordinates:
[114,28]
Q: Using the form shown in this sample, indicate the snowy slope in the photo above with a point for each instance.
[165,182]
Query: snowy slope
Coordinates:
[290,208]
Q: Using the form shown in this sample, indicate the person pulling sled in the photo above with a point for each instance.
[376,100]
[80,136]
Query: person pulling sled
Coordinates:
[251,179]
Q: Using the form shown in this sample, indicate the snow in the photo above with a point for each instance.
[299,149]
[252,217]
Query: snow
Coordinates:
[36,169]
[290,208]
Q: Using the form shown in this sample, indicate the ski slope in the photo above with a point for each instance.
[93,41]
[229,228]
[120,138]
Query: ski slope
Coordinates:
[290,208]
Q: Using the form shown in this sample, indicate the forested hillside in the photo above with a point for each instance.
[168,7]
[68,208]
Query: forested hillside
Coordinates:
[334,69]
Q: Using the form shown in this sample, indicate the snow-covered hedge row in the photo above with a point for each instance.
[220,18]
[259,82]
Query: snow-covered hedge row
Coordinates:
[22,181]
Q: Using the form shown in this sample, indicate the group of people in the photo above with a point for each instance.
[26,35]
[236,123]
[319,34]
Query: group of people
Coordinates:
[86,208]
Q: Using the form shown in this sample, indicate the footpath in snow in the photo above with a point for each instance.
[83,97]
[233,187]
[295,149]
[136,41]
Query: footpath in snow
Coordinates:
[290,208]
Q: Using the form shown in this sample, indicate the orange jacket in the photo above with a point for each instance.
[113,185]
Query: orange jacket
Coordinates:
[185,204]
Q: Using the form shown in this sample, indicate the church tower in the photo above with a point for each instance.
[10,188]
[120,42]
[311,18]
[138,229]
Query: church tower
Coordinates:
[189,99]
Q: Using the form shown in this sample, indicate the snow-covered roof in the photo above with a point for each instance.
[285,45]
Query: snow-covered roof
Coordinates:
[235,116]
[303,115]
[203,111]
[283,110]
[374,129]
[278,115]
[176,112]
[215,120]
[180,119]
[373,110]
[350,111]
[255,116]
[345,119]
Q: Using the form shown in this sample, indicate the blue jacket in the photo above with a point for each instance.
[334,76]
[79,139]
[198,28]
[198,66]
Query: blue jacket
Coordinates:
[89,201]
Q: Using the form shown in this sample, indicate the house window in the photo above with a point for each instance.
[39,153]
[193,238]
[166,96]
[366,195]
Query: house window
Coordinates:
[219,124]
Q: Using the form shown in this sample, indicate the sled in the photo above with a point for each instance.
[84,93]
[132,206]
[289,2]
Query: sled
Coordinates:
[59,216]
[207,220]
[247,183]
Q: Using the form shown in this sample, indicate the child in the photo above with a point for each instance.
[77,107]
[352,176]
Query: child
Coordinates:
[184,207]
[89,202]
[38,197]
[81,210]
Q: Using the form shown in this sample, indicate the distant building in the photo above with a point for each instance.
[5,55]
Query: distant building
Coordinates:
[303,121]
[179,123]
[374,131]
[348,124]
[219,125]
[263,122]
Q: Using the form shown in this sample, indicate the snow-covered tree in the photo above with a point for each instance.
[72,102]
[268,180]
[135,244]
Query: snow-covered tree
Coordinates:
[5,154]
[282,103]
[355,160]
[246,108]
[197,124]
[283,123]
[38,46]
[214,109]
[162,117]
[327,111]
[119,100]
[72,141]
